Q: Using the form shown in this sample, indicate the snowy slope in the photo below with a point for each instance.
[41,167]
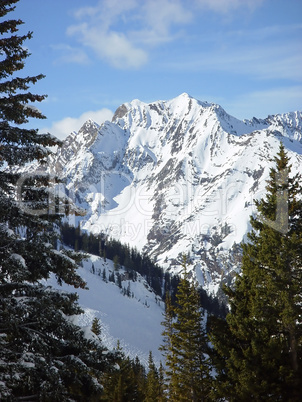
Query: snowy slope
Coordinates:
[135,321]
[176,176]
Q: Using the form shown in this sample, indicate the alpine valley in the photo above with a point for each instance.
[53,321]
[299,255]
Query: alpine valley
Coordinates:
[173,177]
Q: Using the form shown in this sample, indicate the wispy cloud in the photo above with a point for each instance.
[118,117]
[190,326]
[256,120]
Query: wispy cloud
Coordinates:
[264,54]
[158,18]
[95,31]
[226,6]
[122,32]
[69,54]
[111,46]
[62,128]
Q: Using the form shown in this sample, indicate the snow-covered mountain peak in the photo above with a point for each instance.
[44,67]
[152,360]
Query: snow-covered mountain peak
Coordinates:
[87,134]
[176,176]
[119,113]
[88,126]
[183,110]
[287,124]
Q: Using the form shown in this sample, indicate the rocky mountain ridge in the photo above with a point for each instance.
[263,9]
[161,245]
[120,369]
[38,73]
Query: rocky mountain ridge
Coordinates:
[177,176]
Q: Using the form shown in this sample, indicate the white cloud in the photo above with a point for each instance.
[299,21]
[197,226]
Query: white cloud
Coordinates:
[226,6]
[112,46]
[95,32]
[61,129]
[106,11]
[121,32]
[158,19]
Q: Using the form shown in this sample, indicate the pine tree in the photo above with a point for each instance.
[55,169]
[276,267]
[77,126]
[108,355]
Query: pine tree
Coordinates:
[43,355]
[259,352]
[185,345]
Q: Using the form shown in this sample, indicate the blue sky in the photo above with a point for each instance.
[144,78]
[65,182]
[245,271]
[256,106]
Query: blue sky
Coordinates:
[245,55]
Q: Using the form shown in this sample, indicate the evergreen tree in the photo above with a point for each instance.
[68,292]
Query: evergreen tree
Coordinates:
[116,262]
[128,292]
[104,275]
[153,386]
[166,348]
[43,355]
[111,277]
[259,348]
[161,383]
[119,280]
[127,382]
[185,345]
[96,327]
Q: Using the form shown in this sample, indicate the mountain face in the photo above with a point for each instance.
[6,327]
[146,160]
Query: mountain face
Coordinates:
[177,176]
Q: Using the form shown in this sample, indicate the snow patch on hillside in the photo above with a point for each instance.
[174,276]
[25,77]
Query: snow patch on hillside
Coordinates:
[135,321]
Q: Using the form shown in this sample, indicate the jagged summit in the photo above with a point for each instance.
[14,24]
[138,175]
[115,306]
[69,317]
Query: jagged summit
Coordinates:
[184,107]
[88,126]
[120,112]
[176,176]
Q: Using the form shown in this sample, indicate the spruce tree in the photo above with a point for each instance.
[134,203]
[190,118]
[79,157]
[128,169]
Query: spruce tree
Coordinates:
[153,390]
[96,327]
[166,348]
[161,383]
[258,350]
[186,345]
[43,355]
[127,382]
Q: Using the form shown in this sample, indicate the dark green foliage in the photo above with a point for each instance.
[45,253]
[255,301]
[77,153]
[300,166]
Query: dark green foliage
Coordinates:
[104,275]
[155,385]
[116,262]
[47,356]
[166,347]
[130,382]
[111,277]
[185,345]
[119,280]
[127,382]
[122,255]
[43,355]
[258,349]
[96,327]
[212,304]
[160,281]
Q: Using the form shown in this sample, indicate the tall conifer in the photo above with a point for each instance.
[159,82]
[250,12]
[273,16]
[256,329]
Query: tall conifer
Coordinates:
[43,355]
[153,391]
[186,345]
[259,348]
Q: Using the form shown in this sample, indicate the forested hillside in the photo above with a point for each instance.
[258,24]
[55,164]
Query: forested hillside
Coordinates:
[123,255]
